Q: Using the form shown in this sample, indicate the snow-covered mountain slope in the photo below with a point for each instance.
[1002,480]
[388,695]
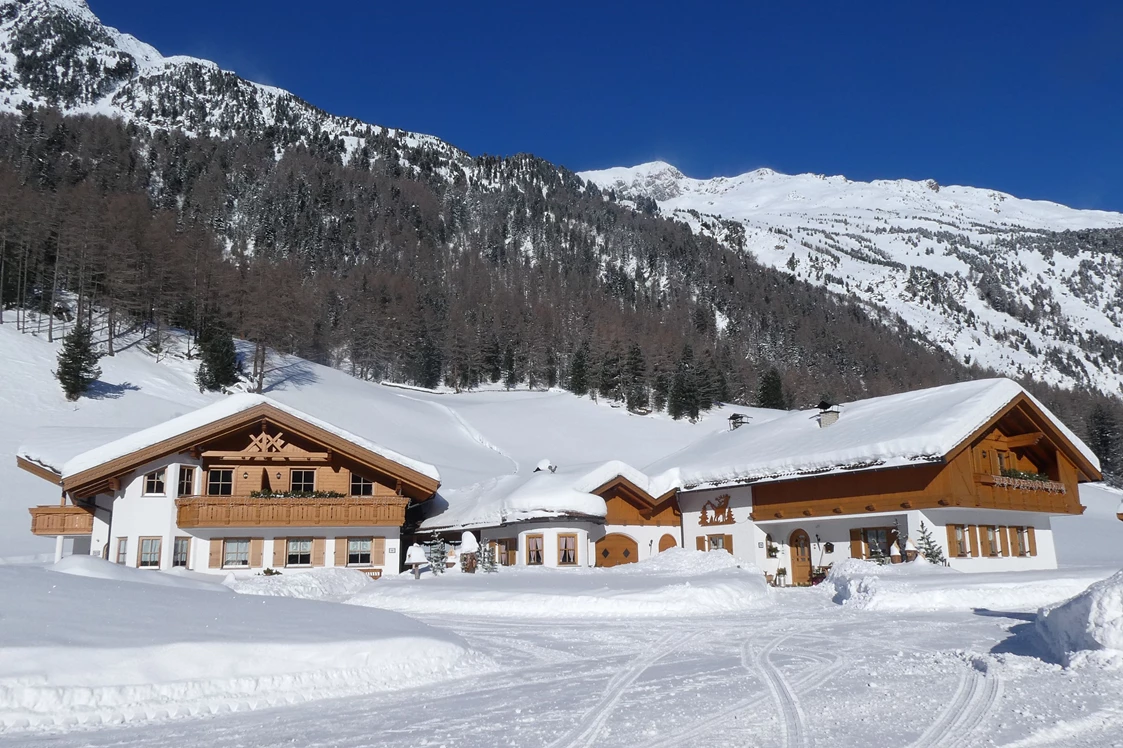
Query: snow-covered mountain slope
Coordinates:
[982,274]
[470,438]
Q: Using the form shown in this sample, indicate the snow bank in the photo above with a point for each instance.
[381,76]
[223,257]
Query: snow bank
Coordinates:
[96,568]
[1091,622]
[923,587]
[95,651]
[314,584]
[675,583]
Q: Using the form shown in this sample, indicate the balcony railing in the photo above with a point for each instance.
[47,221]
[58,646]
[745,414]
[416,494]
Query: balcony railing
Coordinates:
[1030,495]
[243,511]
[61,520]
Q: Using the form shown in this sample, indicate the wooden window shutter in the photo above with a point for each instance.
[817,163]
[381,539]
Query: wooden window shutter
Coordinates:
[280,552]
[341,551]
[857,547]
[1004,540]
[701,542]
[1012,539]
[378,551]
[984,541]
[973,535]
[318,547]
[257,551]
[953,547]
[729,544]
[215,561]
[1032,541]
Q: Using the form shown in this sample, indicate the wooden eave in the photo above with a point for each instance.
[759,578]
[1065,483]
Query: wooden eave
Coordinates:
[40,471]
[630,487]
[1046,430]
[415,485]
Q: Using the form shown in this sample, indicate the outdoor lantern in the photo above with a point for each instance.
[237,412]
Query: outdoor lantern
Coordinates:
[245,476]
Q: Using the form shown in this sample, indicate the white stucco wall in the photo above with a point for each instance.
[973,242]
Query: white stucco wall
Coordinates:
[938,520]
[747,539]
[587,533]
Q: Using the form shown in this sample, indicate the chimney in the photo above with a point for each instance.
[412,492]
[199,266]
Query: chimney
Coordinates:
[828,414]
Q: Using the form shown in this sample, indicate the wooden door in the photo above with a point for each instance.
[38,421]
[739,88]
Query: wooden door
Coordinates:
[667,541]
[616,549]
[800,545]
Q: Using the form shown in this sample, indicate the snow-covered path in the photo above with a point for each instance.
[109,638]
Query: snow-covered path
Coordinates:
[789,675]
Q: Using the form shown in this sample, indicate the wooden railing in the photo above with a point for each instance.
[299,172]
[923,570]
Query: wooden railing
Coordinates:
[243,511]
[1028,495]
[61,520]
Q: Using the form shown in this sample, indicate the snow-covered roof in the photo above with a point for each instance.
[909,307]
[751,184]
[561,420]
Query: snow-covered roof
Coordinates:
[881,432]
[538,495]
[56,459]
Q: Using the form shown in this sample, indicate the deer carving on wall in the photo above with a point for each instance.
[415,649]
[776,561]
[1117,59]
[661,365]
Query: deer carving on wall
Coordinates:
[717,512]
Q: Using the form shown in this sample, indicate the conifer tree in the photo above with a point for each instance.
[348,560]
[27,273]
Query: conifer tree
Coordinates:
[579,371]
[1105,438]
[684,398]
[771,392]
[218,366]
[610,375]
[77,362]
[928,546]
[635,379]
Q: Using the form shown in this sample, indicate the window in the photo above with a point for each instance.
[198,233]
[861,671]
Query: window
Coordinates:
[303,480]
[299,552]
[716,542]
[149,557]
[154,483]
[1021,543]
[533,550]
[361,486]
[1003,461]
[960,545]
[186,481]
[220,483]
[236,552]
[567,549]
[991,540]
[358,551]
[508,551]
[122,550]
[877,541]
[180,550]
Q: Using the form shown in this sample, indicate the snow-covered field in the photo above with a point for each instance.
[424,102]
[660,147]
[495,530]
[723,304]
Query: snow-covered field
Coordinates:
[685,649]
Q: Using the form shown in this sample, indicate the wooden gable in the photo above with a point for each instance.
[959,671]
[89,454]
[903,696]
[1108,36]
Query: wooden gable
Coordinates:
[628,504]
[262,437]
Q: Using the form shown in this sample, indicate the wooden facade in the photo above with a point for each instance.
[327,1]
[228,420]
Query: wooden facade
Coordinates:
[628,504]
[1020,438]
[239,511]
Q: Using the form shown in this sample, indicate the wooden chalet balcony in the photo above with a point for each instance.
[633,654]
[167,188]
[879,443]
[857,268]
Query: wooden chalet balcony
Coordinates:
[61,520]
[244,511]
[1028,495]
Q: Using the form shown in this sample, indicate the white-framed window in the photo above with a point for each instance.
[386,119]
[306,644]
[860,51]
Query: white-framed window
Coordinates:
[358,551]
[303,481]
[186,480]
[236,552]
[149,554]
[361,486]
[154,483]
[220,482]
[180,551]
[122,550]
[298,552]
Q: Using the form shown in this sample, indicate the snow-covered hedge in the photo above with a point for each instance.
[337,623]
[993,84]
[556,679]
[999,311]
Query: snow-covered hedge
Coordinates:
[1089,626]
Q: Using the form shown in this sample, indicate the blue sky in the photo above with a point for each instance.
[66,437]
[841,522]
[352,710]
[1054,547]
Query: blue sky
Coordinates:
[1025,97]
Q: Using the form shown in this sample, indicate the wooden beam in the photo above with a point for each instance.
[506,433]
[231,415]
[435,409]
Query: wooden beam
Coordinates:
[255,456]
[1024,440]
[39,471]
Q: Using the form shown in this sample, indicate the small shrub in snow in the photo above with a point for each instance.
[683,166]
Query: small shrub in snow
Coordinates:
[929,548]
[270,572]
[437,553]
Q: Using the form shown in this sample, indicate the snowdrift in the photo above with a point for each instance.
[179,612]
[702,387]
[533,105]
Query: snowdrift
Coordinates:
[923,587]
[96,568]
[334,584]
[677,582]
[94,651]
[1087,627]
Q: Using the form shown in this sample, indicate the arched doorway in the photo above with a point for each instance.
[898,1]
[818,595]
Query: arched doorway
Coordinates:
[616,549]
[667,541]
[800,545]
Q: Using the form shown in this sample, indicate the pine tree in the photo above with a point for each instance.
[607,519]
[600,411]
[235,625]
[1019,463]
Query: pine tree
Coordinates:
[683,399]
[928,546]
[771,392]
[610,374]
[438,555]
[1105,438]
[218,365]
[579,371]
[485,561]
[635,379]
[77,362]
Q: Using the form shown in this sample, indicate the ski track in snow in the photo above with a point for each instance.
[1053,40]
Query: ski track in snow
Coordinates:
[469,430]
[793,722]
[974,699]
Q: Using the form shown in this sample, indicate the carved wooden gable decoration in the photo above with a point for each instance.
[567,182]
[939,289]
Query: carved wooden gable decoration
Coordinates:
[716,512]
